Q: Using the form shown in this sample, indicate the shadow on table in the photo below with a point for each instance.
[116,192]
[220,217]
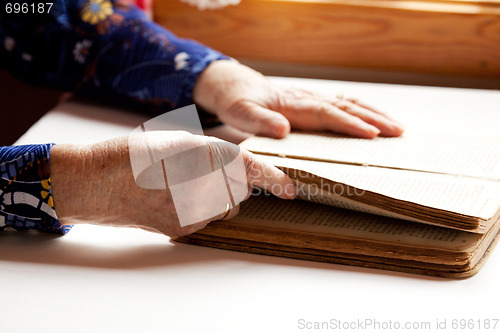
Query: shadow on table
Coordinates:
[39,248]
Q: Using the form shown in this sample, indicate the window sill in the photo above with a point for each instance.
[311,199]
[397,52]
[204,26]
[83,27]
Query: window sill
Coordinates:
[432,37]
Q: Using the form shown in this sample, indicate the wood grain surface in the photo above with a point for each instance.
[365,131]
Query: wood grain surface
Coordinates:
[434,37]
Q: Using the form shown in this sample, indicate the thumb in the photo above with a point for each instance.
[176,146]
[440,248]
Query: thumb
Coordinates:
[268,177]
[250,117]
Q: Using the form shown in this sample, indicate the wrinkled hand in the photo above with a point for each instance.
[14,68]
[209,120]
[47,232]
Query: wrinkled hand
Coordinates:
[245,99]
[95,184]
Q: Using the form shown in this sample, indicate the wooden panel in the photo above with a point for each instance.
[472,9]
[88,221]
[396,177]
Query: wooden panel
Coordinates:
[438,37]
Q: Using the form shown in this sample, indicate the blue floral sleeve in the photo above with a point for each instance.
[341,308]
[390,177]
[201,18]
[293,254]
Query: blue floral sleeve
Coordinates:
[26,201]
[104,49]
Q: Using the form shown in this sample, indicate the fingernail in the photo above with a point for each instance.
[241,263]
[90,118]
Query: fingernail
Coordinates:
[372,131]
[394,129]
[400,128]
[279,129]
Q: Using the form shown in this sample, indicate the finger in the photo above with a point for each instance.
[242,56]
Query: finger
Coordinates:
[366,106]
[189,229]
[186,230]
[371,108]
[266,176]
[232,213]
[226,215]
[253,118]
[314,114]
[387,126]
[250,191]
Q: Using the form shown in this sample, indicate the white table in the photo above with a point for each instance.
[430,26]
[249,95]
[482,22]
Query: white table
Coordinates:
[98,279]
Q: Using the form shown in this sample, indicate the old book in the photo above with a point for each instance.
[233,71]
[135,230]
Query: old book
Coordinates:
[424,203]
[304,230]
[440,179]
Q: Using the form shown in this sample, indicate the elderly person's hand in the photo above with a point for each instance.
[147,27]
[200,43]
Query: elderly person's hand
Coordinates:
[95,184]
[245,99]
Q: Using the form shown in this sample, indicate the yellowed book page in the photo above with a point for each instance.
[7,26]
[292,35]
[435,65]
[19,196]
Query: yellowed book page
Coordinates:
[463,154]
[268,211]
[311,192]
[464,195]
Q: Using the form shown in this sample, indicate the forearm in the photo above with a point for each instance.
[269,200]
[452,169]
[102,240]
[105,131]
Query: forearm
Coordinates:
[67,166]
[83,179]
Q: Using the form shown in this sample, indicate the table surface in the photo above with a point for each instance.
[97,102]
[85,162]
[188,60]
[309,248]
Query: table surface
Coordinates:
[103,279]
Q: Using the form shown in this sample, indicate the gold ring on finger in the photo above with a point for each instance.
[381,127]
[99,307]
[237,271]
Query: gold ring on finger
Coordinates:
[228,210]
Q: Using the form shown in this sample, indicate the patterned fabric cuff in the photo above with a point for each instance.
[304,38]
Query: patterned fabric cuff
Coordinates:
[26,201]
[197,66]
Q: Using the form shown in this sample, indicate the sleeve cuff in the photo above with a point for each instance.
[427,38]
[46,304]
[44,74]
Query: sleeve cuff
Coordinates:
[26,201]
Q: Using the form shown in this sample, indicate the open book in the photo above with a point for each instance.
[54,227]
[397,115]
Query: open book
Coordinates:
[441,179]
[380,188]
